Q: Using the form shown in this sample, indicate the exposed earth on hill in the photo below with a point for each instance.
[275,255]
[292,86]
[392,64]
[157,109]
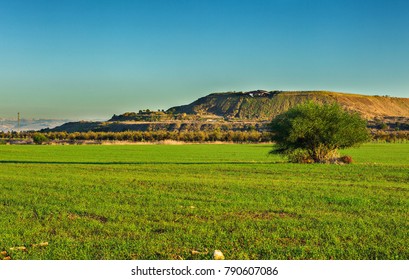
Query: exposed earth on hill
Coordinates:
[251,110]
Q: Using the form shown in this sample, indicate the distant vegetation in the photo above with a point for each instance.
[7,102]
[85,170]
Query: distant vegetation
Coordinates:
[39,138]
[142,115]
[163,135]
[170,126]
[137,136]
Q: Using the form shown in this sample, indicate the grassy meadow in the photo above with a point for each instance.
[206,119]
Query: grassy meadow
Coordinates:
[165,201]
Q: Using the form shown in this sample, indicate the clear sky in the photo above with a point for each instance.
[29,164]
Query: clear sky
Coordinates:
[90,59]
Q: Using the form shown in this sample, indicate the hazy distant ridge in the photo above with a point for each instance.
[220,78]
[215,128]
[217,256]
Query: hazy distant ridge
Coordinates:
[27,124]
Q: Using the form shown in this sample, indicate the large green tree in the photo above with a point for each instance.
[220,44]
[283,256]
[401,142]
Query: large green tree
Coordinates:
[311,132]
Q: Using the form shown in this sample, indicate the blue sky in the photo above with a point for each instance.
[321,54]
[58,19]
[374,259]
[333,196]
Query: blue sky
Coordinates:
[91,59]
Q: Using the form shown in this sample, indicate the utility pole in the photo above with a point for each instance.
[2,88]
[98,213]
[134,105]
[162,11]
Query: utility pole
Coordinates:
[18,121]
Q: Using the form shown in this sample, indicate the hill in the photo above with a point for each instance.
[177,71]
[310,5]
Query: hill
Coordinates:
[244,111]
[264,105]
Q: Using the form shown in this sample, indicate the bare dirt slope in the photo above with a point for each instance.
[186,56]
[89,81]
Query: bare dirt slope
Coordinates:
[267,104]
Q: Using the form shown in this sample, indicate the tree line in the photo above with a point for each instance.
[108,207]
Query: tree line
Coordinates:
[390,136]
[141,136]
[162,135]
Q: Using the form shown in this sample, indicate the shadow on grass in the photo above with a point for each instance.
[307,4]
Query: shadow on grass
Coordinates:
[135,162]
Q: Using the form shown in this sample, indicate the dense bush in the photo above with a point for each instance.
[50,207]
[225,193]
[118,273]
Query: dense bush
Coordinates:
[39,138]
[313,133]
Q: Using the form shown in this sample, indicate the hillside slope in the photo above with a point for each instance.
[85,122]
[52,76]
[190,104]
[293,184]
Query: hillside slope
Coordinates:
[244,111]
[263,105]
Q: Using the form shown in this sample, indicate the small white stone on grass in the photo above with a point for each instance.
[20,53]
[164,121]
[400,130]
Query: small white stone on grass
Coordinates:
[218,255]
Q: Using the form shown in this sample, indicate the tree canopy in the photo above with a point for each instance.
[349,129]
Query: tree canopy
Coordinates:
[312,132]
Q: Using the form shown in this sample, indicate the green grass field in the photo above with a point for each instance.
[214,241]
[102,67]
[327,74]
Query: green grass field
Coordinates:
[164,201]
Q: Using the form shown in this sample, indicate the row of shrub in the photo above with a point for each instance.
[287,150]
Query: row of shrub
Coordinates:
[144,136]
[390,137]
[188,136]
